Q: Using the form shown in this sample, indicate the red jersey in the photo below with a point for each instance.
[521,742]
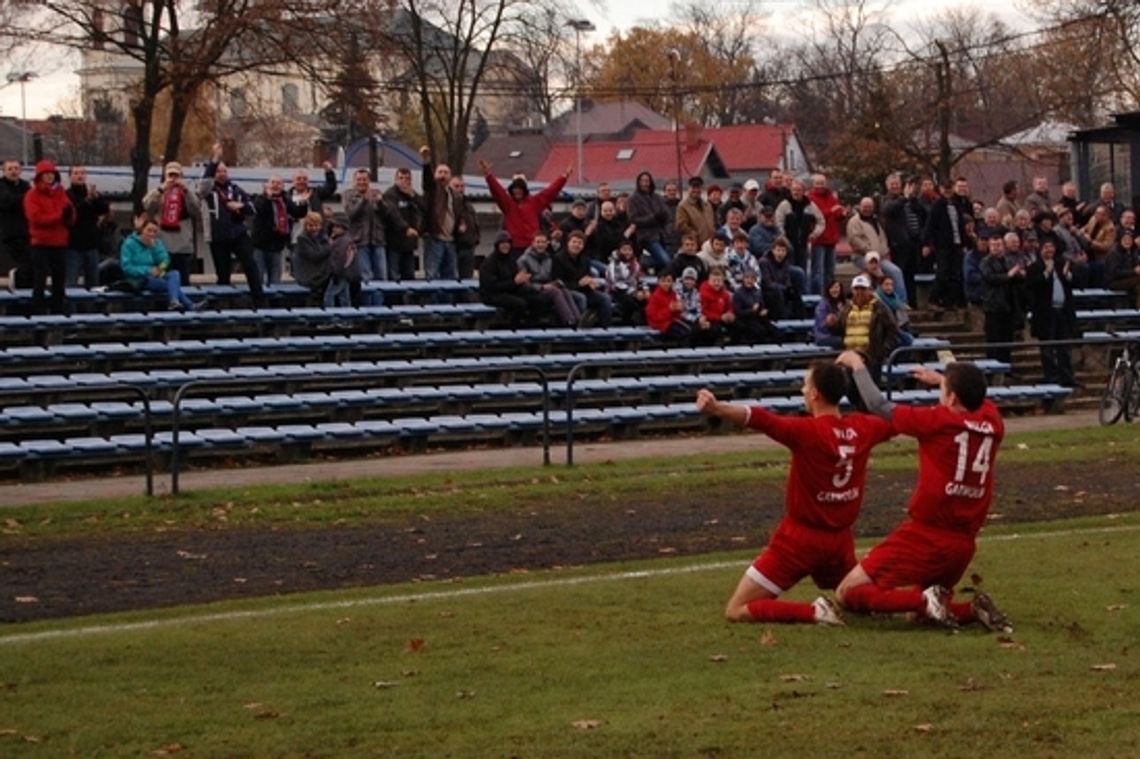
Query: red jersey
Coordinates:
[956,454]
[715,303]
[829,463]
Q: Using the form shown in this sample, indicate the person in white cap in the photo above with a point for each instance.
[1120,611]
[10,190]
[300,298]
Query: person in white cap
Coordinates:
[751,203]
[867,325]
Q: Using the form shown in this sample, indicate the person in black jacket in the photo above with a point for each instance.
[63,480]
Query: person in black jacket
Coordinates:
[1049,281]
[466,232]
[946,237]
[499,287]
[572,266]
[83,240]
[409,204]
[904,219]
[14,225]
[226,207]
[649,215]
[998,302]
[273,215]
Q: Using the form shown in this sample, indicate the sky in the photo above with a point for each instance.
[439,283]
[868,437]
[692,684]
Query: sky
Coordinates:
[57,84]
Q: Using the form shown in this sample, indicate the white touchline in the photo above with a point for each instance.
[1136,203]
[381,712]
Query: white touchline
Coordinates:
[560,582]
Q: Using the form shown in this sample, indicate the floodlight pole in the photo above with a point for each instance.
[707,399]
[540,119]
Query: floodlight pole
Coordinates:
[579,26]
[23,77]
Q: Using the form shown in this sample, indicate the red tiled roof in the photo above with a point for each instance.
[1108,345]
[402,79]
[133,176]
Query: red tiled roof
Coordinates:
[619,162]
[748,147]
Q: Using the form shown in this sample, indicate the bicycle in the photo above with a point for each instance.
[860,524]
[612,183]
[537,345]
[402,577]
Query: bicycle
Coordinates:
[1121,396]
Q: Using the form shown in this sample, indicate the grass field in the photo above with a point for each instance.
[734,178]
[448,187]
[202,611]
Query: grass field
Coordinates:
[627,660]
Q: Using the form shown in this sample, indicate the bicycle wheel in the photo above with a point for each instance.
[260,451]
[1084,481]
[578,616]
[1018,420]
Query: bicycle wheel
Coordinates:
[1132,408]
[1114,399]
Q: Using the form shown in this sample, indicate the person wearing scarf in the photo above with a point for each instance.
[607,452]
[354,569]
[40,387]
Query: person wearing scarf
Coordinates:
[273,214]
[178,212]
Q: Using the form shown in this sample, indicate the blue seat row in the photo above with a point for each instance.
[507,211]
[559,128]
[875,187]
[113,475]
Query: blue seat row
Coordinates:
[442,427]
[1128,315]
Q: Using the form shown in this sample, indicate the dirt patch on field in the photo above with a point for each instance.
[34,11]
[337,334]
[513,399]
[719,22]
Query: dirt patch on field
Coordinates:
[100,576]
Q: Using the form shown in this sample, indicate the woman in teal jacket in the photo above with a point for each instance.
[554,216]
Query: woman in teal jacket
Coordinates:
[146,263]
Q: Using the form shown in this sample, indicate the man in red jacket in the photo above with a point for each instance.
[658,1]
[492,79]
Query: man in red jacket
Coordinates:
[823,248]
[522,211]
[50,214]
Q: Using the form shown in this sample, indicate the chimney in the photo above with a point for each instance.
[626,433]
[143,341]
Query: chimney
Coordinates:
[692,135]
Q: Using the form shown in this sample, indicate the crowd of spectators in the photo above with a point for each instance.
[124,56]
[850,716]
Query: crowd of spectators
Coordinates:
[708,265]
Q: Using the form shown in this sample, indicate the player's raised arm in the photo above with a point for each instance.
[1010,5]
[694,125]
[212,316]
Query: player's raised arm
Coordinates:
[708,405]
[868,390]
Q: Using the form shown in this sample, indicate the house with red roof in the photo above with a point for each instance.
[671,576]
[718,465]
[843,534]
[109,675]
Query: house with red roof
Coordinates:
[750,151]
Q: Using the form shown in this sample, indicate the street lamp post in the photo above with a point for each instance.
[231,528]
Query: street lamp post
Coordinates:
[674,59]
[23,77]
[579,25]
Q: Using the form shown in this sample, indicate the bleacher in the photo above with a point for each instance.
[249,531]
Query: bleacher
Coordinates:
[292,381]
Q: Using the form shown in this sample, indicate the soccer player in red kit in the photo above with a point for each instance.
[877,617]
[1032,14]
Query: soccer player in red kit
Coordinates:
[822,500]
[917,566]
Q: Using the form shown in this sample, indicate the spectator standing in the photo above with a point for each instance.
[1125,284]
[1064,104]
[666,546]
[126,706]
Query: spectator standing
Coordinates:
[1038,200]
[83,241]
[369,221]
[649,214]
[903,220]
[823,248]
[179,214]
[998,301]
[774,192]
[694,214]
[763,233]
[316,198]
[800,222]
[403,198]
[441,216]
[1050,284]
[50,215]
[1008,204]
[522,211]
[466,232]
[713,196]
[1101,234]
[945,239]
[14,225]
[671,238]
[273,215]
[146,264]
[1108,201]
[226,206]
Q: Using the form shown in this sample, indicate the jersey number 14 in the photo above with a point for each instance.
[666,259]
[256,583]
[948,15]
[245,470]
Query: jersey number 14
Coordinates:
[982,459]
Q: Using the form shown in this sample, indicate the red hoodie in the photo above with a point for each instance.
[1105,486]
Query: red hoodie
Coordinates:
[715,303]
[521,218]
[833,214]
[659,313]
[49,211]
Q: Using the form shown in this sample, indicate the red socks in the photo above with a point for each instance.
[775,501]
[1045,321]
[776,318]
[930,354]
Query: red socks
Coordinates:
[869,598]
[774,610]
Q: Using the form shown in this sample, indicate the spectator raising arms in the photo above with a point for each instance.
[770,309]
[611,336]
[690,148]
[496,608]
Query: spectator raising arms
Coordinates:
[522,212]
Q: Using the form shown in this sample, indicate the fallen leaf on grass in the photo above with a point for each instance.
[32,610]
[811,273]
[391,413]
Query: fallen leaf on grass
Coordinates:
[240,580]
[32,739]
[586,724]
[267,714]
[9,731]
[465,694]
[1061,488]
[1022,447]
[167,750]
[767,638]
[895,692]
[414,646]
[667,550]
[926,727]
[253,705]
[718,657]
[971,685]
[384,684]
[189,556]
[834,685]
[344,620]
[793,678]
[27,600]
[409,673]
[1103,667]
[1116,607]
[1007,642]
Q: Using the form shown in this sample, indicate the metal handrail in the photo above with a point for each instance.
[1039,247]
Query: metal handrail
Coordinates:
[185,389]
[109,388]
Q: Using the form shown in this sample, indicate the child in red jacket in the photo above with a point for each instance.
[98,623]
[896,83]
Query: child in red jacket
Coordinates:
[50,214]
[716,304]
[663,311]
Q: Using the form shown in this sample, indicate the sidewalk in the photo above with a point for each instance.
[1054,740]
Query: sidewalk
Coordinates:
[674,448]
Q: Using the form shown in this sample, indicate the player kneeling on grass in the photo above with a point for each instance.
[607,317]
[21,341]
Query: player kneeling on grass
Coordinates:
[824,493]
[916,567]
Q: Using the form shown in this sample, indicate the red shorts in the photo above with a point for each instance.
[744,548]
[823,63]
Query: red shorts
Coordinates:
[915,554]
[796,551]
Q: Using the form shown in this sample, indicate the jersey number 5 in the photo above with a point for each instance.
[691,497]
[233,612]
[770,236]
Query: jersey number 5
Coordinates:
[981,463]
[842,478]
